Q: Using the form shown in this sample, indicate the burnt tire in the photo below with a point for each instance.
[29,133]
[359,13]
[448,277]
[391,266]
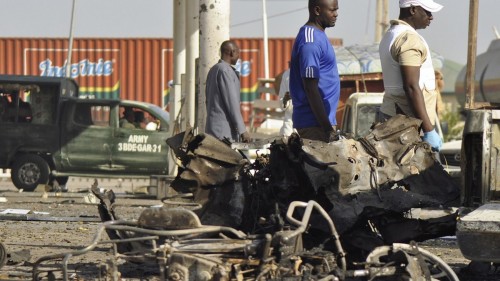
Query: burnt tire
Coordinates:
[29,171]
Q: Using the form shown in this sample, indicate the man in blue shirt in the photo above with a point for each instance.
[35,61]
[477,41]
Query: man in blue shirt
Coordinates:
[314,78]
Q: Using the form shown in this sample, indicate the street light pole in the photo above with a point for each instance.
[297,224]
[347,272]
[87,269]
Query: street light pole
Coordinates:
[266,47]
[192,54]
[470,75]
[381,19]
[70,47]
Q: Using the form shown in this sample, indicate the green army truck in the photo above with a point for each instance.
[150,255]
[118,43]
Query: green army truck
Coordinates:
[49,134]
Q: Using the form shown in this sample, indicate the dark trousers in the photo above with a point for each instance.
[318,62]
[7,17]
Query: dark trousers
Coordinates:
[313,133]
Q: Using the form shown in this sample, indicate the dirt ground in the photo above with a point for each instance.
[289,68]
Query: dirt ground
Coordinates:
[62,222]
[68,221]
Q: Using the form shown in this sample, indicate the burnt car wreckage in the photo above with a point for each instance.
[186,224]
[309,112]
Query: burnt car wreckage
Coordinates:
[306,211]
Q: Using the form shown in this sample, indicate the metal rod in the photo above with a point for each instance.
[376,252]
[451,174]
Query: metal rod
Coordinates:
[266,51]
[303,224]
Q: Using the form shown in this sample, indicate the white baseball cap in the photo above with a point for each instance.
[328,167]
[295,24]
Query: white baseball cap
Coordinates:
[428,5]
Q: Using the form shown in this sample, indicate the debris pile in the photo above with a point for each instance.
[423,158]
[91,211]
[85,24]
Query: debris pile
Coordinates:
[307,211]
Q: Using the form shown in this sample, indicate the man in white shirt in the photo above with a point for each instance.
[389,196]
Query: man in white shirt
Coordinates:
[409,79]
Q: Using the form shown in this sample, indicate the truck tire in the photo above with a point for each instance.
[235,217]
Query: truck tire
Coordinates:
[29,171]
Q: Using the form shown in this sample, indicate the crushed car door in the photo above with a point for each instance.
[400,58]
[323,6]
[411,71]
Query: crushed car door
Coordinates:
[87,138]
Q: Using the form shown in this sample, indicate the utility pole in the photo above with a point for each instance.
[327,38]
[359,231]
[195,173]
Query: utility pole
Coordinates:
[470,74]
[70,47]
[266,48]
[176,96]
[214,29]
[192,53]
[175,99]
[381,19]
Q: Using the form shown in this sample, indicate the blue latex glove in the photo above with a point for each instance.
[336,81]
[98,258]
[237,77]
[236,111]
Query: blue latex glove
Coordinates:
[433,139]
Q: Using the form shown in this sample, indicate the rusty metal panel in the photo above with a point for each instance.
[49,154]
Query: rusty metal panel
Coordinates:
[252,62]
[280,54]
[252,67]
[136,69]
[148,69]
[133,68]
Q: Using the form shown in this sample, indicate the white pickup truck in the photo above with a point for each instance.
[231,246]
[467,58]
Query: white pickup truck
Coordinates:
[360,113]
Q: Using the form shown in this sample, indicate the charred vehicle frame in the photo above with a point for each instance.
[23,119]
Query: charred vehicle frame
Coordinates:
[307,211]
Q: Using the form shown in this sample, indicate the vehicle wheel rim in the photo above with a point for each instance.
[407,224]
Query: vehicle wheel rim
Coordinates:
[29,173]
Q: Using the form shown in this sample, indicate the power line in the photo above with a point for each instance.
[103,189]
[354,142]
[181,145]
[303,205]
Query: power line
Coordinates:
[269,17]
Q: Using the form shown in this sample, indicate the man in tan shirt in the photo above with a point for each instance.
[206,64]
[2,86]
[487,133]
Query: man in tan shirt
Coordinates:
[409,79]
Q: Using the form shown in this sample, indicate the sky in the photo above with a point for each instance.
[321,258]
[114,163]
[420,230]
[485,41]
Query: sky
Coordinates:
[447,34]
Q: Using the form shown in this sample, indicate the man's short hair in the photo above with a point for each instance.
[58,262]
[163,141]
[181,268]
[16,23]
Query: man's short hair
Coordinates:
[313,3]
[226,47]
